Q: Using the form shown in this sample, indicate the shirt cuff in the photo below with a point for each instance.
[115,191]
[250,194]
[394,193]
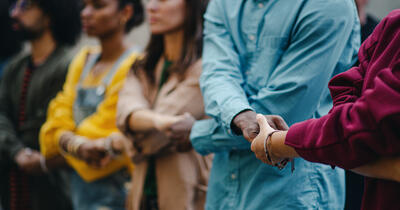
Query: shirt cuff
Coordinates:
[296,139]
[14,150]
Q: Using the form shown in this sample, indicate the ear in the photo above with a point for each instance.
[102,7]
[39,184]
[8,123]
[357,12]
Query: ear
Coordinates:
[127,13]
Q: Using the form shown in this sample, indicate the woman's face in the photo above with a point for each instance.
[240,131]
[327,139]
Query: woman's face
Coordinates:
[101,18]
[165,16]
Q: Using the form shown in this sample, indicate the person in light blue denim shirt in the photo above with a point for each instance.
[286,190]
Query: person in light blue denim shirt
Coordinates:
[270,57]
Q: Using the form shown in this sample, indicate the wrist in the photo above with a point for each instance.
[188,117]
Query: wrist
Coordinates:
[109,146]
[43,165]
[279,148]
[240,121]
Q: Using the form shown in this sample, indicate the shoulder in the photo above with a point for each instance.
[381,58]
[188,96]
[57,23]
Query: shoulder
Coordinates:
[326,9]
[391,22]
[388,28]
[394,15]
[14,65]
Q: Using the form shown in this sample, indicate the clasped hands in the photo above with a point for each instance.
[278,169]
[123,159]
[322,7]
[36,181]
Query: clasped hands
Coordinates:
[257,129]
[97,153]
[177,128]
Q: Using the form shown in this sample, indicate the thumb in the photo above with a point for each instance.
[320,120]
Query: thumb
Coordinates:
[263,123]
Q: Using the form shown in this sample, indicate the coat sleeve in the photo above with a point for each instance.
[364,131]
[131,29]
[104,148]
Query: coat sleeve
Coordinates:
[131,98]
[10,144]
[359,130]
[346,87]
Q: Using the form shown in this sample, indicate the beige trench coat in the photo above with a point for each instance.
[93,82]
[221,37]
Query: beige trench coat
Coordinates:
[181,177]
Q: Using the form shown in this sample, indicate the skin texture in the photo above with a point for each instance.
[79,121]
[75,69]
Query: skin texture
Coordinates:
[165,16]
[30,22]
[361,7]
[29,161]
[247,124]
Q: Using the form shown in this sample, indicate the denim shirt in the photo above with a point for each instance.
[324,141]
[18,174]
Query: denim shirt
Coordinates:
[273,57]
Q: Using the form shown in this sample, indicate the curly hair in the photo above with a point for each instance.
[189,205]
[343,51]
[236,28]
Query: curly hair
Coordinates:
[65,22]
[9,41]
[138,13]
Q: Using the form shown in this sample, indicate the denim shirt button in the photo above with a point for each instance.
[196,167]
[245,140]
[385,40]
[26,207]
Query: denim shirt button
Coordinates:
[260,5]
[252,37]
[233,176]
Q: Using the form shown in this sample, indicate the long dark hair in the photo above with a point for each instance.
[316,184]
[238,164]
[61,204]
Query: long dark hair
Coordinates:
[192,43]
[138,13]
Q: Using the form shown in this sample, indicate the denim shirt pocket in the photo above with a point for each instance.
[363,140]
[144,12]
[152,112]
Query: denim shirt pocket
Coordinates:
[265,59]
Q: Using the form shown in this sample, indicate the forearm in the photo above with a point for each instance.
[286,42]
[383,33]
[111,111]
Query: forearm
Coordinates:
[142,120]
[146,120]
[385,168]
[279,148]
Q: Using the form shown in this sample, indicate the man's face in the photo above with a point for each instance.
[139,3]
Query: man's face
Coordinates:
[28,19]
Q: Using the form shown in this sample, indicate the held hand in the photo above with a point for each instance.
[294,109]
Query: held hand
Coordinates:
[258,145]
[163,122]
[121,144]
[180,132]
[246,122]
[277,122]
[29,161]
[94,153]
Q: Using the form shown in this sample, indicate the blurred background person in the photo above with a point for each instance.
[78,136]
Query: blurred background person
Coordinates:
[81,119]
[29,82]
[367,21]
[160,89]
[9,41]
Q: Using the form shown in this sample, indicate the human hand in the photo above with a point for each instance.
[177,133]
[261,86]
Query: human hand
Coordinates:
[276,122]
[29,161]
[179,132]
[121,144]
[164,122]
[258,144]
[246,122]
[94,153]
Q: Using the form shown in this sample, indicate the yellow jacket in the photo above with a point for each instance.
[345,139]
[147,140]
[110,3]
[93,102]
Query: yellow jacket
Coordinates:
[99,125]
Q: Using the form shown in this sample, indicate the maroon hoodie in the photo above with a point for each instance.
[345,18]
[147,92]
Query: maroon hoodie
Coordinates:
[364,123]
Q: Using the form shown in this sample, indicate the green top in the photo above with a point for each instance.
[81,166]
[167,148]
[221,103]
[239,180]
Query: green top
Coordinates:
[150,185]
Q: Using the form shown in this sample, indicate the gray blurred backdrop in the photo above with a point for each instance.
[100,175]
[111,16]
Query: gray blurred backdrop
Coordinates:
[380,8]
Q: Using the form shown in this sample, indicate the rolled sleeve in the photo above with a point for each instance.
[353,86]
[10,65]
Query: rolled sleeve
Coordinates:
[130,99]
[221,81]
[208,136]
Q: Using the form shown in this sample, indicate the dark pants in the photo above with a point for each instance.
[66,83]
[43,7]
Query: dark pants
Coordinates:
[354,191]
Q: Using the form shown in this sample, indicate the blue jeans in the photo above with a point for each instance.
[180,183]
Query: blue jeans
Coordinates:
[108,193]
